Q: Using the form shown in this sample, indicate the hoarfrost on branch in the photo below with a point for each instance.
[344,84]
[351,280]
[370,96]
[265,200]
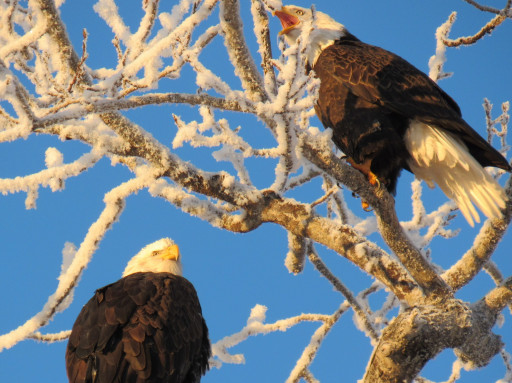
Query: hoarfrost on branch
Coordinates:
[48,88]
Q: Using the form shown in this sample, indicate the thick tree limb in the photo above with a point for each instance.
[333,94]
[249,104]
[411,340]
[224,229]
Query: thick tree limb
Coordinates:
[419,334]
[415,337]
[299,220]
[481,345]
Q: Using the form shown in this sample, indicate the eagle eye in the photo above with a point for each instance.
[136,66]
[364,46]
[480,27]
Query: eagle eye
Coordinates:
[299,12]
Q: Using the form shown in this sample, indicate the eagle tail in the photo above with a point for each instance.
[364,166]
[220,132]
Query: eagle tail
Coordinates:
[440,158]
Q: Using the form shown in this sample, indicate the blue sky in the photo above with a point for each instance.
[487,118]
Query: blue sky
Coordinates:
[233,272]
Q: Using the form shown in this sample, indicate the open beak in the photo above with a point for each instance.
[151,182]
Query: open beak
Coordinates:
[288,21]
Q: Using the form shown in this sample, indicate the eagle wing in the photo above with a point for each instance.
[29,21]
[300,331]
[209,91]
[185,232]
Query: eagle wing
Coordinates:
[383,78]
[144,327]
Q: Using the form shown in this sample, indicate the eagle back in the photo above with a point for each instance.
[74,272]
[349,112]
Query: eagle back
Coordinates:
[146,327]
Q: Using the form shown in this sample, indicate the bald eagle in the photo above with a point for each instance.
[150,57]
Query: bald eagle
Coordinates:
[386,115]
[146,327]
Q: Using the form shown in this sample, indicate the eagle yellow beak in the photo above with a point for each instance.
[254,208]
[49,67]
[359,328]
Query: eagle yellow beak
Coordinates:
[170,253]
[288,21]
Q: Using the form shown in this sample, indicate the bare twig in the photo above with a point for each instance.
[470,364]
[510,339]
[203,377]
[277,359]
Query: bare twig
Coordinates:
[483,7]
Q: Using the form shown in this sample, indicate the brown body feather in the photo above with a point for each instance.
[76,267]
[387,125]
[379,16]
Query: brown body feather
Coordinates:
[368,96]
[146,327]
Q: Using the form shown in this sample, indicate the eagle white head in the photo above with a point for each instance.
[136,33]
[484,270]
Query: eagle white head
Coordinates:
[162,256]
[325,30]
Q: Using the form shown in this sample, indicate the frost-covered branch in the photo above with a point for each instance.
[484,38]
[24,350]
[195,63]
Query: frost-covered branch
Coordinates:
[239,53]
[414,337]
[50,338]
[464,270]
[256,326]
[301,369]
[66,54]
[114,205]
[437,61]
[262,33]
[261,168]
[485,30]
[362,317]
[296,256]
[421,270]
[52,177]
[502,120]
[216,215]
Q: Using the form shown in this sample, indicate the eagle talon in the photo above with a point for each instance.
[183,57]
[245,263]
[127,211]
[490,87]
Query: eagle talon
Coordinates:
[374,181]
[366,206]
[372,178]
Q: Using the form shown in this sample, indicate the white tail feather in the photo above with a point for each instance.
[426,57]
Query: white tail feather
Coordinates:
[440,158]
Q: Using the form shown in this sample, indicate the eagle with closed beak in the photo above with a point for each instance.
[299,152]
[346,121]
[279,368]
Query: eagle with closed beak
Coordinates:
[145,328]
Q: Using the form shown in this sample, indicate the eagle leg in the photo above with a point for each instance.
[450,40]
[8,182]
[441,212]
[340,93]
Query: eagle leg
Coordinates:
[372,178]
[365,169]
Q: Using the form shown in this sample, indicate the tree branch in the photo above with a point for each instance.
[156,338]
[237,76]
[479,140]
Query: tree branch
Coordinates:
[111,105]
[421,270]
[370,330]
[486,29]
[57,31]
[299,220]
[483,247]
[296,256]
[483,7]
[415,337]
[261,30]
[50,338]
[499,297]
[239,54]
[301,368]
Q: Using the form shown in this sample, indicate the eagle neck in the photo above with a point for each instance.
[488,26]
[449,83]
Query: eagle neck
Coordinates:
[323,38]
